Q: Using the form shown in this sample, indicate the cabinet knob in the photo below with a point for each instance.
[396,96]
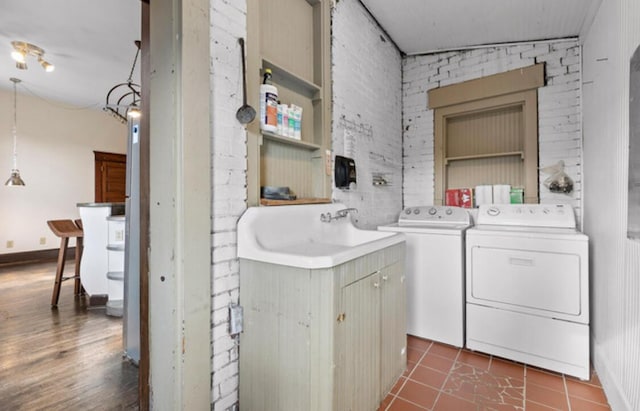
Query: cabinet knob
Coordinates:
[376,285]
[341,317]
[385,277]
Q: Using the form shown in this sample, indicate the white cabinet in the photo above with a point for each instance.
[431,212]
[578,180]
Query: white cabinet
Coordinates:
[115,265]
[325,339]
[97,259]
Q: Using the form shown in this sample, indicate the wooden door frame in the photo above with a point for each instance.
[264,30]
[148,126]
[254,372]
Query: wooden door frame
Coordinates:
[176,206]
[143,364]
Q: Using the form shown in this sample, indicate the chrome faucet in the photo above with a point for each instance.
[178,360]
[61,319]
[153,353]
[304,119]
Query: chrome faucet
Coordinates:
[327,217]
[343,213]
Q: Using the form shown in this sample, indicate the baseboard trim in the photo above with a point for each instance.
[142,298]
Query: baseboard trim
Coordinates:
[612,388]
[35,256]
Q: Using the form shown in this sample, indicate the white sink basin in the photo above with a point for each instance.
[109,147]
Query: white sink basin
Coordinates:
[295,236]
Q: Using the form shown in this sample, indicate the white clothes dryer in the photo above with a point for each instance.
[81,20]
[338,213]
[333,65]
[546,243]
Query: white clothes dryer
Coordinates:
[528,286]
[434,270]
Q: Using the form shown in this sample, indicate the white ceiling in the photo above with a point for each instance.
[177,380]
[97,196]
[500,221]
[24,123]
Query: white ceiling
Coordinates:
[91,43]
[422,26]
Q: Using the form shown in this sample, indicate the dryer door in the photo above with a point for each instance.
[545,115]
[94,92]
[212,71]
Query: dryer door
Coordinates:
[537,282]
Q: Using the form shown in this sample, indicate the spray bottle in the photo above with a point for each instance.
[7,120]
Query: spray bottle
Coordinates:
[268,104]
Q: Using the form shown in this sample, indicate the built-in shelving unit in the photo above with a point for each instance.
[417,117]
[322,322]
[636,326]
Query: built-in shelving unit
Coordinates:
[290,141]
[488,155]
[292,38]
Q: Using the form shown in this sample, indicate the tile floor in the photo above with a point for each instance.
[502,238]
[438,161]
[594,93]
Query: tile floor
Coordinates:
[444,378]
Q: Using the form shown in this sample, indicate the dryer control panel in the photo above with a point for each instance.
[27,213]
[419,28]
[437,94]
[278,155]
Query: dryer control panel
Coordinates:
[528,215]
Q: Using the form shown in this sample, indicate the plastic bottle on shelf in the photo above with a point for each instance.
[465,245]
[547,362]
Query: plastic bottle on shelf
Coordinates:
[281,108]
[290,130]
[268,104]
[297,122]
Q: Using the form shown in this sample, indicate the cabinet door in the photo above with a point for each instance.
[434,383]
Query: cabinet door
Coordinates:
[358,373]
[393,326]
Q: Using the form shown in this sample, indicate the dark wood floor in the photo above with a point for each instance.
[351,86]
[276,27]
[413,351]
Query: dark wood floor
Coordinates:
[69,358]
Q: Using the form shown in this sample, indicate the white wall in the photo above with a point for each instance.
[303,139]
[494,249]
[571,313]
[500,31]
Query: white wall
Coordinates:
[615,260]
[56,161]
[229,144]
[367,112]
[558,109]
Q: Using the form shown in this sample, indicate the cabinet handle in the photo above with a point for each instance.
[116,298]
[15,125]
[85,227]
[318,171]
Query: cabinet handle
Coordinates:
[385,277]
[376,285]
[341,317]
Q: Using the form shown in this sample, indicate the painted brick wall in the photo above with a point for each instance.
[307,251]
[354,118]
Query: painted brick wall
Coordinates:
[228,23]
[367,117]
[559,112]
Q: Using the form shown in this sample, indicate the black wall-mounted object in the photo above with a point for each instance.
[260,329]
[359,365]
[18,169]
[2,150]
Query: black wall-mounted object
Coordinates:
[345,172]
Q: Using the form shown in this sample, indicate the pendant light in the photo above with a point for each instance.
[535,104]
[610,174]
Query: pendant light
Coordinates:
[123,100]
[15,179]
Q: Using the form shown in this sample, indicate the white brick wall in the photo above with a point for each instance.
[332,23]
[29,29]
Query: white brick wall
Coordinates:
[367,103]
[559,112]
[228,23]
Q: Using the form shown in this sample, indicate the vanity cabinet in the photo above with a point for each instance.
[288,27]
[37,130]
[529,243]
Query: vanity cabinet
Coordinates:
[292,38]
[322,339]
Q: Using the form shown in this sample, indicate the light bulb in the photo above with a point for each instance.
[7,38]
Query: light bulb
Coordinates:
[18,56]
[134,111]
[48,67]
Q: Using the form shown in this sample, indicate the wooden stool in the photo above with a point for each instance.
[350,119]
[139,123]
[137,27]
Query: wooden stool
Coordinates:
[66,229]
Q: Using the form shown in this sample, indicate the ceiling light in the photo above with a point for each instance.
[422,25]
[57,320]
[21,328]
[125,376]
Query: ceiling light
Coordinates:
[22,49]
[48,67]
[15,179]
[123,100]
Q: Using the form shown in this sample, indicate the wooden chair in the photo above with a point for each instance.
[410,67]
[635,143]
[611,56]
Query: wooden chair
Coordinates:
[66,229]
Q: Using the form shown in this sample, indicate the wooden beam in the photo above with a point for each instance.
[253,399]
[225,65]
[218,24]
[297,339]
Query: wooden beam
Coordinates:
[514,81]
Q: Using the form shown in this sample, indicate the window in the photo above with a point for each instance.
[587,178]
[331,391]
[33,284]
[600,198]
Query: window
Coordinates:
[486,132]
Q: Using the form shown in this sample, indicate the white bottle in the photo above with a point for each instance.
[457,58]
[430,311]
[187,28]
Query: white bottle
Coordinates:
[268,104]
[292,121]
[297,124]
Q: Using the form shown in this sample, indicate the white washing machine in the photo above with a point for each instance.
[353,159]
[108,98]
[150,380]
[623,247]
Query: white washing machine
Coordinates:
[528,286]
[434,271]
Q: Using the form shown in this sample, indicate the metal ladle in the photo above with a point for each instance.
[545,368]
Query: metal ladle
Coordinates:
[246,113]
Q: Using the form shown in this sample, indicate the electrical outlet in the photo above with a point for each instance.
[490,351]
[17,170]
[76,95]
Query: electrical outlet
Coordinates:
[120,235]
[235,319]
[43,240]
[9,243]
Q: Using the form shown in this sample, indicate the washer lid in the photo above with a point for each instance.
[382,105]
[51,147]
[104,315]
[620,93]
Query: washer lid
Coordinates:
[439,229]
[527,215]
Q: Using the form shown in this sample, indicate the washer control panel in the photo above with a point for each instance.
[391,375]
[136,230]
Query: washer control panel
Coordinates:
[528,215]
[435,215]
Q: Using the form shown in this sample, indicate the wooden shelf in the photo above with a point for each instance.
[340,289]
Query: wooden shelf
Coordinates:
[286,78]
[299,201]
[490,155]
[290,141]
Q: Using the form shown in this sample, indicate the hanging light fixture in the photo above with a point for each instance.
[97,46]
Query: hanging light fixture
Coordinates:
[15,179]
[123,100]
[22,49]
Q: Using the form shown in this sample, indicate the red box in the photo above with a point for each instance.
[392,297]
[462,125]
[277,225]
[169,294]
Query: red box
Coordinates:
[466,197]
[452,197]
